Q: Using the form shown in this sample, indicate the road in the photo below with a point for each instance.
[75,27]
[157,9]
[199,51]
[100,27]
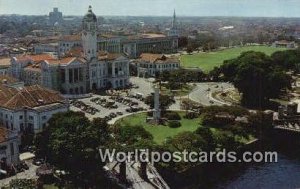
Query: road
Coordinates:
[203,93]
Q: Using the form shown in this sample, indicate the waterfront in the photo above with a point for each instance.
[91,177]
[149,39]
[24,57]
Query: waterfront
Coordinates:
[285,174]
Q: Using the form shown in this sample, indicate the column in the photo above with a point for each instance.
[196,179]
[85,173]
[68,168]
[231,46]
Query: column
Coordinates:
[73,71]
[113,69]
[66,76]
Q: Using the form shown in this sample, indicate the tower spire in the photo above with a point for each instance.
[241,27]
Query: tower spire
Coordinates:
[174,20]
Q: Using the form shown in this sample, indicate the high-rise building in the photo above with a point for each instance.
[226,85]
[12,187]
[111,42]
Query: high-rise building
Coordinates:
[55,17]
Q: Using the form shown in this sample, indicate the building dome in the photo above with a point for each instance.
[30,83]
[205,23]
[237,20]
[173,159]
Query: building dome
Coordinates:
[90,16]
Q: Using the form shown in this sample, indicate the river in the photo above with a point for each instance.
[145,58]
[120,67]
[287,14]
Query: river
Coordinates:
[285,174]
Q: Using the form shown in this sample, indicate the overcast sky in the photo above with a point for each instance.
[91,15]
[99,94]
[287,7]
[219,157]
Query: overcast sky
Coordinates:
[264,8]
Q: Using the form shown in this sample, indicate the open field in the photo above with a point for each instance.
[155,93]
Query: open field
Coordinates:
[160,132]
[207,61]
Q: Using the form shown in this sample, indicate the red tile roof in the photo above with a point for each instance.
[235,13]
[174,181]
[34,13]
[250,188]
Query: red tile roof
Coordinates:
[29,96]
[6,79]
[35,58]
[65,60]
[108,56]
[157,58]
[71,38]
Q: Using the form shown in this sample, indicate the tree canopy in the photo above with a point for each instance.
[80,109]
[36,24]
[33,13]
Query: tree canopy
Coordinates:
[71,143]
[256,76]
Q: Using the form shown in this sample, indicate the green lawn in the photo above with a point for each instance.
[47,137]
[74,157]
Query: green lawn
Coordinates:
[207,61]
[160,132]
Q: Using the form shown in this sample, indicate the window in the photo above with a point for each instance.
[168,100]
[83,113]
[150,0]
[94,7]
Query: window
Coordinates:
[11,126]
[30,117]
[20,117]
[44,117]
[21,127]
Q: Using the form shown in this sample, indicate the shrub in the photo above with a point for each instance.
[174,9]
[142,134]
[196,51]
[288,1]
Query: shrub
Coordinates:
[174,124]
[172,116]
[191,115]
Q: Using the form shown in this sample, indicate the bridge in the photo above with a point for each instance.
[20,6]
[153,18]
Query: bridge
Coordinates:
[138,174]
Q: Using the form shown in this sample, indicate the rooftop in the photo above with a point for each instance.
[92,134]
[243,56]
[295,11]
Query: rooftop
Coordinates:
[5,79]
[157,58]
[28,97]
[34,58]
[4,62]
[108,56]
[34,67]
[71,38]
[65,60]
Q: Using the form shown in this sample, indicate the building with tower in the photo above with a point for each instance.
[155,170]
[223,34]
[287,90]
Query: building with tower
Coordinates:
[173,32]
[79,69]
[89,35]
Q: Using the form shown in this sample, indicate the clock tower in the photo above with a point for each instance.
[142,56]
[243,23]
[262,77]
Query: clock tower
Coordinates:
[89,35]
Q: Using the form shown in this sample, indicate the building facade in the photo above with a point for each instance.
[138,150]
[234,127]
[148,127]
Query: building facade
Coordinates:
[148,65]
[29,108]
[81,68]
[9,147]
[55,17]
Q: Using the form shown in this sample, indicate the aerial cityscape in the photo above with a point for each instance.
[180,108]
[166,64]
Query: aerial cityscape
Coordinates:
[150,94]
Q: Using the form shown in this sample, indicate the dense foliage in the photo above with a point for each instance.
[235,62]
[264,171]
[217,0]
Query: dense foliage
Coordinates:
[71,143]
[254,75]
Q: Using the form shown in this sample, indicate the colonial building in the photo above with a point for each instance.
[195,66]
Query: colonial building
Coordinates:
[151,64]
[29,108]
[9,147]
[50,48]
[67,75]
[285,44]
[79,69]
[67,42]
[149,43]
[19,63]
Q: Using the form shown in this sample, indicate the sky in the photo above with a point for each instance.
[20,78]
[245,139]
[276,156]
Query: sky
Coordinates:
[245,8]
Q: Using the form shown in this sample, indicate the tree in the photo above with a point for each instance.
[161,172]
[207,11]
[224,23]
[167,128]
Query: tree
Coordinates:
[130,135]
[254,75]
[189,49]
[207,135]
[71,143]
[188,141]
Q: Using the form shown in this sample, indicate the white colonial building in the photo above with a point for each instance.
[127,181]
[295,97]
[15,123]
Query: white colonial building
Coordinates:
[148,65]
[29,108]
[81,69]
[9,147]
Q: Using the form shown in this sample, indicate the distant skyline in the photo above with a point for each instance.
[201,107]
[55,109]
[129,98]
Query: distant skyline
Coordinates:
[244,8]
